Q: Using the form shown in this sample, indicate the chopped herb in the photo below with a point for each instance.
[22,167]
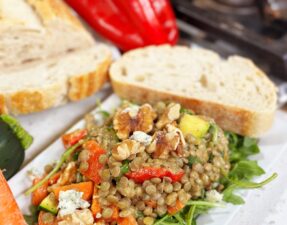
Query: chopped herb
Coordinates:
[192,160]
[214,132]
[186,111]
[104,113]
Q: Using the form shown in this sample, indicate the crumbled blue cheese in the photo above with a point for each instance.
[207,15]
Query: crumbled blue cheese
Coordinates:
[71,200]
[214,196]
[141,137]
[132,110]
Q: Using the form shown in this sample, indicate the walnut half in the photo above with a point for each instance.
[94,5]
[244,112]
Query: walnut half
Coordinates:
[134,118]
[171,113]
[126,148]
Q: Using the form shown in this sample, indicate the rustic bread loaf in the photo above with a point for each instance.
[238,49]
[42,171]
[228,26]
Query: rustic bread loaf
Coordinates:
[233,91]
[35,30]
[55,81]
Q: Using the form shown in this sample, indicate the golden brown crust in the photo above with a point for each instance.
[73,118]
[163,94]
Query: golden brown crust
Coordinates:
[29,101]
[49,10]
[85,85]
[229,118]
[79,87]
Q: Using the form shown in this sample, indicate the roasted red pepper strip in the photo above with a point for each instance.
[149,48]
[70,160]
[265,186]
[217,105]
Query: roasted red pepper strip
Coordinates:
[148,173]
[108,21]
[94,166]
[74,137]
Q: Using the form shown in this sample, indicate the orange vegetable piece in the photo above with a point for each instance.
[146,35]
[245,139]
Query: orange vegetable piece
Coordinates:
[115,215]
[55,178]
[96,207]
[151,203]
[9,210]
[85,187]
[93,171]
[176,208]
[130,220]
[39,194]
[46,218]
[73,137]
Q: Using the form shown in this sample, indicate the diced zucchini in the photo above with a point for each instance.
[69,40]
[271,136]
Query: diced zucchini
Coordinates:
[191,124]
[49,204]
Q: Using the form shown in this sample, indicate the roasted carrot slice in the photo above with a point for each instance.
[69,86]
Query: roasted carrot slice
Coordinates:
[151,203]
[46,218]
[115,215]
[130,220]
[176,208]
[94,166]
[96,207]
[85,187]
[39,194]
[9,210]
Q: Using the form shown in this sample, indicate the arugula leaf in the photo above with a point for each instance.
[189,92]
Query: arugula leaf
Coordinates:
[190,215]
[241,147]
[229,196]
[245,169]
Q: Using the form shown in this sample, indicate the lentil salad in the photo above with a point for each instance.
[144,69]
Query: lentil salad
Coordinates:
[159,164]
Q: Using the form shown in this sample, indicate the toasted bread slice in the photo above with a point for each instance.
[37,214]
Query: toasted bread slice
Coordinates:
[233,91]
[55,81]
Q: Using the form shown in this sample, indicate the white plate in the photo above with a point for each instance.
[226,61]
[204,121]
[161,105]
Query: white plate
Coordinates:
[272,146]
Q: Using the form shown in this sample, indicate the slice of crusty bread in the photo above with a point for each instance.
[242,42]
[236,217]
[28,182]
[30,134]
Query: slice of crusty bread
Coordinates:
[55,81]
[35,30]
[233,91]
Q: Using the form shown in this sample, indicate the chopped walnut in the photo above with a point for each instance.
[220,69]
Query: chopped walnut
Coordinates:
[171,113]
[126,148]
[163,143]
[69,174]
[83,217]
[134,118]
[166,141]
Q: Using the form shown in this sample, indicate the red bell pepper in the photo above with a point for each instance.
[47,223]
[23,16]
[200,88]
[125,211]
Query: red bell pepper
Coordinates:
[148,173]
[130,24]
[73,138]
[94,166]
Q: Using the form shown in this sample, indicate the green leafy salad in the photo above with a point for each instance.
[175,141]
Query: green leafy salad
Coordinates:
[145,164]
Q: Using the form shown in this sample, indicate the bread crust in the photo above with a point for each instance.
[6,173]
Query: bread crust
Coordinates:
[85,85]
[74,88]
[49,10]
[230,118]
